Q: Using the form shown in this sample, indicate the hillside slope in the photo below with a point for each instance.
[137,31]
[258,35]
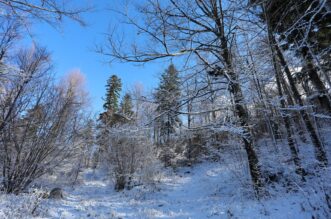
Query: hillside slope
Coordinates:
[207,190]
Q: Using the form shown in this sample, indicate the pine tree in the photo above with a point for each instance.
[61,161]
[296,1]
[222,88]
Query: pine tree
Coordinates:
[167,97]
[114,87]
[126,106]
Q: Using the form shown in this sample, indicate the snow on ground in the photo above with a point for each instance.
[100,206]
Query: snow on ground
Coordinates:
[207,190]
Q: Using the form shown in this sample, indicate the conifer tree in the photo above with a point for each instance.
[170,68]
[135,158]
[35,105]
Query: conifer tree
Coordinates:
[167,97]
[114,87]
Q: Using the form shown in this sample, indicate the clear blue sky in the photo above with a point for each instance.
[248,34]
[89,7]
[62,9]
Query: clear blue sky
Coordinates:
[72,48]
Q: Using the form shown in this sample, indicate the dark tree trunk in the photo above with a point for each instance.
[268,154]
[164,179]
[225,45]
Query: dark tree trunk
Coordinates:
[242,114]
[297,117]
[286,119]
[120,183]
[240,110]
[323,96]
[320,154]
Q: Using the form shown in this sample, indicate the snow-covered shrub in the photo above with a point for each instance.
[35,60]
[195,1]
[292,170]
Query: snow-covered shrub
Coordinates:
[195,145]
[24,205]
[130,153]
[205,144]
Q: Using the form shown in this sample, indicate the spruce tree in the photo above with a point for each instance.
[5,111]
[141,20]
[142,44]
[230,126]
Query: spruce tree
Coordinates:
[167,97]
[114,87]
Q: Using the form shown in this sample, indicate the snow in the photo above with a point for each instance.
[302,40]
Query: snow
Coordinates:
[206,190]
[209,189]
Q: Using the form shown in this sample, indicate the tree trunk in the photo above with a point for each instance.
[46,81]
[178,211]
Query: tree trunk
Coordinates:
[272,131]
[242,114]
[297,117]
[323,97]
[240,110]
[320,154]
[120,183]
[286,119]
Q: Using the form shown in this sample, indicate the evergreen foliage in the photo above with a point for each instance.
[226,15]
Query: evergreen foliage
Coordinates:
[167,97]
[114,87]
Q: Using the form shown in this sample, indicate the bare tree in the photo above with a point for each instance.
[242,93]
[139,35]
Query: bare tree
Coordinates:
[9,33]
[128,151]
[50,11]
[29,65]
[39,121]
[191,29]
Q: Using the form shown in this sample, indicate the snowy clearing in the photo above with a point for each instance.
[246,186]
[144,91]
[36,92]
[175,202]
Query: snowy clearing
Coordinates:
[208,190]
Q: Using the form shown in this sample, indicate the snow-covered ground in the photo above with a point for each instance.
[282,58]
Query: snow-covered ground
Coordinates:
[207,190]
[219,189]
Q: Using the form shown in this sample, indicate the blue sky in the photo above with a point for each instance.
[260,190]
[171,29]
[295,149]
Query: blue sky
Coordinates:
[72,47]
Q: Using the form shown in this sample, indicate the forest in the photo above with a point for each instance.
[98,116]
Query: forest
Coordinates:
[237,125]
